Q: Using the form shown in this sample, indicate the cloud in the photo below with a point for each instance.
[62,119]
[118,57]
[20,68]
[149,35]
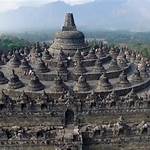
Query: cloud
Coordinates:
[6,5]
[76,2]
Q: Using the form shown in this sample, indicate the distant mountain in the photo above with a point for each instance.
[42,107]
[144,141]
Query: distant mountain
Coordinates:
[102,15]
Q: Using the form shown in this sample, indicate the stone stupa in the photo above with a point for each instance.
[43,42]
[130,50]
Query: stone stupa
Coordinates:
[14,81]
[59,85]
[123,80]
[82,85]
[69,39]
[104,83]
[35,84]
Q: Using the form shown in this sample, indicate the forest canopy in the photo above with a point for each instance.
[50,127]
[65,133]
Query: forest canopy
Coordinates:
[139,41]
[8,42]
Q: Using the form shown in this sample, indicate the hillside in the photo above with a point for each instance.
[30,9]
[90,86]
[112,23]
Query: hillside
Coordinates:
[104,14]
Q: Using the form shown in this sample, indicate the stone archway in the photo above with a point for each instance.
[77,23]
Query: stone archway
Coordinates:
[69,117]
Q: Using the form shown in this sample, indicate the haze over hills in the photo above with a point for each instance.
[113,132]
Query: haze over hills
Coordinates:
[100,14]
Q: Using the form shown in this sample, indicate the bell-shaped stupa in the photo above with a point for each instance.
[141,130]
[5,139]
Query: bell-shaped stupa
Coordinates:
[69,39]
[15,82]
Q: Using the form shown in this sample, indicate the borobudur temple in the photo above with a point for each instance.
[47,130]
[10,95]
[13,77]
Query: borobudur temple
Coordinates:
[58,97]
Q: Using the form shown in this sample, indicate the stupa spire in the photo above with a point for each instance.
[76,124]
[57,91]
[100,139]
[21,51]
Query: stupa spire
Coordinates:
[69,24]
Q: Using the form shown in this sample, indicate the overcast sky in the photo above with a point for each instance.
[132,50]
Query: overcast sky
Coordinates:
[6,5]
[128,11]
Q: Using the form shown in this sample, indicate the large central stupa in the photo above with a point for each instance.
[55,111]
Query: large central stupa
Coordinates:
[69,39]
